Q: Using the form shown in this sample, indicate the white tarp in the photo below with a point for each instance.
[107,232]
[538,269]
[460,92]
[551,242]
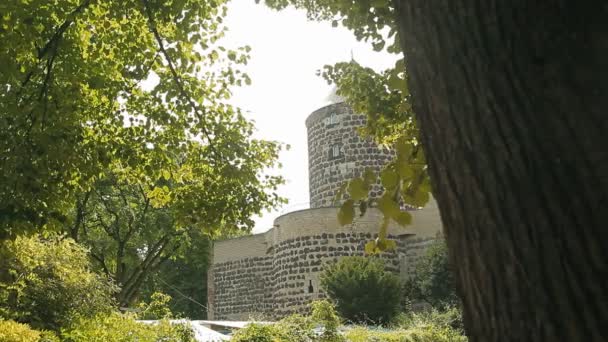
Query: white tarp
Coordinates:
[229,324]
[201,332]
[204,334]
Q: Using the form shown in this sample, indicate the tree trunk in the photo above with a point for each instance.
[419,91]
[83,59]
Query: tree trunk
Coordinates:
[512,101]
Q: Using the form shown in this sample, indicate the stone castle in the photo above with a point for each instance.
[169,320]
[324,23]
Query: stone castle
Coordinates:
[276,273]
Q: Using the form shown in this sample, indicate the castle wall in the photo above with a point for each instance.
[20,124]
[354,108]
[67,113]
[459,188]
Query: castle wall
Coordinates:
[326,171]
[239,280]
[270,274]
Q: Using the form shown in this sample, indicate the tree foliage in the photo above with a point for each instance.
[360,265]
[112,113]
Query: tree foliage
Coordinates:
[433,280]
[362,289]
[181,276]
[135,231]
[135,87]
[48,283]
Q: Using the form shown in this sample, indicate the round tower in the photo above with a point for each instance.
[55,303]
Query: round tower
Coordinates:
[337,152]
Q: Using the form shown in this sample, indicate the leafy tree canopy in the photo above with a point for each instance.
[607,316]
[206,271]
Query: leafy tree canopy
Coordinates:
[135,88]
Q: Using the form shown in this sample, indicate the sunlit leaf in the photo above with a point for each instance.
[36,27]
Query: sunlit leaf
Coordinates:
[346,214]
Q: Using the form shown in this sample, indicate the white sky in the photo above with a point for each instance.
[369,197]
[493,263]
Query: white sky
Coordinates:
[287,50]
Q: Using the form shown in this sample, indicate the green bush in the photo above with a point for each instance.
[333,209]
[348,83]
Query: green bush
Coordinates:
[362,289]
[158,308]
[420,333]
[433,281]
[295,328]
[124,328]
[48,336]
[11,331]
[449,317]
[47,283]
[431,326]
[324,313]
[255,332]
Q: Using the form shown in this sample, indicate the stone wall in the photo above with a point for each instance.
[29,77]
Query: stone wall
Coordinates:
[335,126]
[269,275]
[299,262]
[239,281]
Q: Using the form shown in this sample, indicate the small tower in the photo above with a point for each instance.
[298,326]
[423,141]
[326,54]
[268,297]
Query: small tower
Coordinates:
[337,152]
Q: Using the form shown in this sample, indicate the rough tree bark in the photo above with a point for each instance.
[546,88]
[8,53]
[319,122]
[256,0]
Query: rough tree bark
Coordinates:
[512,102]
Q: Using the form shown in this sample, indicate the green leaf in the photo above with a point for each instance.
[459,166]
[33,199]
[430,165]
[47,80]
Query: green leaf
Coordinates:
[340,192]
[390,245]
[378,46]
[403,218]
[389,179]
[404,169]
[418,199]
[388,206]
[346,214]
[370,247]
[357,189]
[166,174]
[404,149]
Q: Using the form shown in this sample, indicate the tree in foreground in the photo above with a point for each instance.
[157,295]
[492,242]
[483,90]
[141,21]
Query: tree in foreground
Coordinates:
[133,89]
[510,98]
[362,289]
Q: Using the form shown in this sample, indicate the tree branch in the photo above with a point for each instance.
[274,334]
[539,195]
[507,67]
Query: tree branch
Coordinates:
[54,41]
[176,78]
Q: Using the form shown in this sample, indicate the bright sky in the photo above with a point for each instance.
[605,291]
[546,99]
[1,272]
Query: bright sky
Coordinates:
[287,50]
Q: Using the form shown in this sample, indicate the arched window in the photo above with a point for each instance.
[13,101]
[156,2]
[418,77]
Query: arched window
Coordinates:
[311,289]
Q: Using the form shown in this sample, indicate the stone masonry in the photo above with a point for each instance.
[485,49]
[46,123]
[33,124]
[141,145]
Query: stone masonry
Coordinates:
[276,273]
[337,152]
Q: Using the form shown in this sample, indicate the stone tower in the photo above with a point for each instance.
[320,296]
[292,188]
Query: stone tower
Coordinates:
[337,152]
[277,273]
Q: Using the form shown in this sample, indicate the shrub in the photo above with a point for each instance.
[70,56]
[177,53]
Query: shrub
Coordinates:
[48,336]
[420,333]
[255,332]
[158,308]
[47,283]
[433,281]
[124,328]
[295,328]
[449,317]
[11,331]
[324,313]
[362,289]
